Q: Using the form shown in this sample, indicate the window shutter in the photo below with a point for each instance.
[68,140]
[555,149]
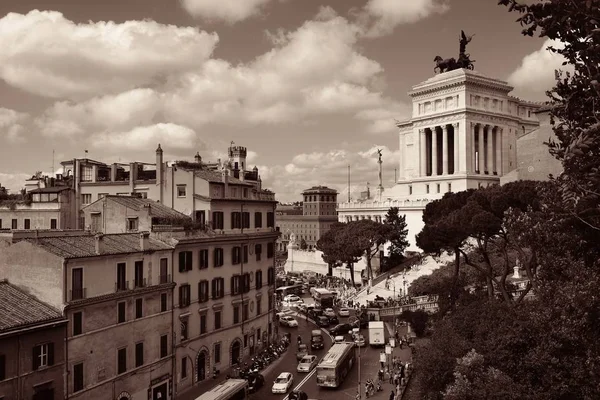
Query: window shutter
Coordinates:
[180,296]
[232,284]
[216,257]
[2,367]
[200,291]
[50,354]
[233,258]
[213,288]
[188,261]
[37,351]
[181,261]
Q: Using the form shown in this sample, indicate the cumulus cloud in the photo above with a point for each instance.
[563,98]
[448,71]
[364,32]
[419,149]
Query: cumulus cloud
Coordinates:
[46,54]
[13,182]
[230,11]
[535,74]
[381,17]
[12,124]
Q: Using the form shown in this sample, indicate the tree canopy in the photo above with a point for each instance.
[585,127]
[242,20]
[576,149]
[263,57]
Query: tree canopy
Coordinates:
[398,241]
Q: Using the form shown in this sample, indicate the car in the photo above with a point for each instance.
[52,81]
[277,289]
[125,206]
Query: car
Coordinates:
[359,340]
[255,382]
[329,312]
[340,329]
[292,298]
[344,312]
[283,383]
[334,320]
[323,321]
[302,351]
[280,314]
[288,321]
[338,339]
[307,363]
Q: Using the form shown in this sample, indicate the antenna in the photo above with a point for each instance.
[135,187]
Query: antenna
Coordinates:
[52,171]
[348,183]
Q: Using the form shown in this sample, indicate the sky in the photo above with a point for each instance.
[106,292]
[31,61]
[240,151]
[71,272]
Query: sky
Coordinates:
[309,87]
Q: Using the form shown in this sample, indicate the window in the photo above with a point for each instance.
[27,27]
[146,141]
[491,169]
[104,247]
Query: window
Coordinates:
[427,188]
[181,189]
[132,224]
[258,279]
[270,276]
[164,346]
[86,174]
[235,285]
[2,367]
[121,317]
[217,320]
[86,198]
[184,329]
[258,220]
[270,250]
[122,361]
[139,308]
[449,187]
[246,282]
[139,274]
[218,288]
[122,284]
[102,195]
[236,220]
[258,307]
[236,255]
[184,295]
[164,270]
[203,327]
[203,259]
[270,308]
[246,220]
[53,223]
[217,352]
[258,251]
[270,220]
[184,368]
[245,313]
[13,223]
[203,291]
[246,340]
[163,302]
[218,220]
[77,377]
[77,323]
[245,192]
[27,223]
[185,261]
[245,254]
[139,354]
[43,355]
[0,223]
[410,189]
[236,314]
[438,187]
[218,257]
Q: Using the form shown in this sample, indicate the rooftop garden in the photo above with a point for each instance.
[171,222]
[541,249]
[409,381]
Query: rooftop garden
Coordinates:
[184,222]
[190,164]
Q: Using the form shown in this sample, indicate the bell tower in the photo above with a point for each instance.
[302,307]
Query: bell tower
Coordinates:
[237,157]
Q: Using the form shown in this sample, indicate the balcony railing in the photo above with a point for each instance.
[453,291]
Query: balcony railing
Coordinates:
[164,279]
[77,294]
[140,283]
[121,286]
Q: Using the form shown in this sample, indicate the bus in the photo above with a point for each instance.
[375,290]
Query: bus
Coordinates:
[231,389]
[285,290]
[334,367]
[323,297]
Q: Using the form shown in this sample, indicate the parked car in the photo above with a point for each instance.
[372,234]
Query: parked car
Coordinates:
[307,363]
[292,298]
[329,312]
[344,312]
[255,382]
[339,339]
[288,321]
[359,340]
[302,351]
[322,321]
[283,383]
[340,329]
[334,320]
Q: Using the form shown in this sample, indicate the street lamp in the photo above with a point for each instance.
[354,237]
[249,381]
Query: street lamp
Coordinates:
[393,283]
[404,283]
[358,396]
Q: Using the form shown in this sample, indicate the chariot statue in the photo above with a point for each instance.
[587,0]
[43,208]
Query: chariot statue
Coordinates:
[463,61]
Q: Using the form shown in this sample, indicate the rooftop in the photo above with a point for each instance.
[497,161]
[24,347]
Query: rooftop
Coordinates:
[155,209]
[216,177]
[85,245]
[19,309]
[54,189]
[319,189]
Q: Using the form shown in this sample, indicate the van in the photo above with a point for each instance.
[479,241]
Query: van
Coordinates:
[316,339]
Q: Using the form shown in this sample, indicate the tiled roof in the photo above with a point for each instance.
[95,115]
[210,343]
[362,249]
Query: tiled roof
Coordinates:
[85,245]
[18,308]
[215,177]
[54,189]
[156,209]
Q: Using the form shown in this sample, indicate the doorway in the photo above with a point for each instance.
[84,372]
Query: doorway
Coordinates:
[236,352]
[160,392]
[201,366]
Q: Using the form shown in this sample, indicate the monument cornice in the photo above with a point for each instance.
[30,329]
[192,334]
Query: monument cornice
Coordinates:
[447,117]
[463,79]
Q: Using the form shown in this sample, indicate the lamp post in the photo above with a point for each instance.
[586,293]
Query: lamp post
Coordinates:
[390,281]
[358,395]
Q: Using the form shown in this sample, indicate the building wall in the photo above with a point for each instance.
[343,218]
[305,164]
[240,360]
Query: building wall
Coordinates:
[307,227]
[39,214]
[114,217]
[20,375]
[305,260]
[26,265]
[228,207]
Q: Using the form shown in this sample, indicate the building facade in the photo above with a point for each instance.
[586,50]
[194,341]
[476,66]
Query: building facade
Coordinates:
[32,338]
[116,293]
[463,134]
[319,212]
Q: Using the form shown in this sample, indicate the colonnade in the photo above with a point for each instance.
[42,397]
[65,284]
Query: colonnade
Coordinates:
[376,218]
[486,151]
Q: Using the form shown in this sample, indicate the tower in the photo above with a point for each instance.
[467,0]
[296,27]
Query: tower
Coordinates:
[237,157]
[159,172]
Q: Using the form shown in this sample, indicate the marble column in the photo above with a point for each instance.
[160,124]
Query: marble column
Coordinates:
[481,149]
[489,161]
[445,150]
[423,149]
[473,149]
[434,152]
[456,152]
[498,168]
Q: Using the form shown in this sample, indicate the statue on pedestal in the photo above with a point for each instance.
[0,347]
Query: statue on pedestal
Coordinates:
[450,64]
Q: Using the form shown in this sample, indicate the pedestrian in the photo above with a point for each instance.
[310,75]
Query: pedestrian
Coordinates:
[392,395]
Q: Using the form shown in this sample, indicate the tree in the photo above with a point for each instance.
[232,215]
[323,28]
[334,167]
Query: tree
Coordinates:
[398,235]
[303,244]
[418,320]
[365,237]
[329,245]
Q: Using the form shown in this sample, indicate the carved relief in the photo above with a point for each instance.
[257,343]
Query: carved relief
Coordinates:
[409,139]
[438,105]
[437,121]
[428,107]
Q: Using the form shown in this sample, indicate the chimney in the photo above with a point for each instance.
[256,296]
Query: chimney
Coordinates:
[516,272]
[198,158]
[159,172]
[99,243]
[133,169]
[144,241]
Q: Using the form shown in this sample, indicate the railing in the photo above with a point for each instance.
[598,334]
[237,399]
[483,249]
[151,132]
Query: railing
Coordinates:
[164,279]
[77,294]
[140,283]
[384,204]
[121,286]
[394,311]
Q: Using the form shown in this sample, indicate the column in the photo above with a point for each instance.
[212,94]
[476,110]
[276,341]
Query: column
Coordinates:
[498,168]
[445,150]
[434,152]
[456,152]
[402,157]
[481,149]
[423,148]
[489,163]
[473,148]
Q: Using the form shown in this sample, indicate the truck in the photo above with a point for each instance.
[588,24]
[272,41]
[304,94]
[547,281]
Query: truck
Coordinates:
[376,333]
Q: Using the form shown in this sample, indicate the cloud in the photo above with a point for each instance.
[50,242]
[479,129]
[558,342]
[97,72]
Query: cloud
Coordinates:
[230,11]
[381,17]
[14,182]
[330,169]
[46,54]
[535,74]
[12,124]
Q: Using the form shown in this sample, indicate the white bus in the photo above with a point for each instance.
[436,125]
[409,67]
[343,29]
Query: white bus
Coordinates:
[323,297]
[231,389]
[334,367]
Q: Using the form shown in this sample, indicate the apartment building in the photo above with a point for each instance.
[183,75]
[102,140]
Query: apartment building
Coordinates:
[115,291]
[31,346]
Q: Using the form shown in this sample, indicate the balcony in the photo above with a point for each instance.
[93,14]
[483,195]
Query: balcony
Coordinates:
[77,294]
[121,286]
[162,279]
[140,283]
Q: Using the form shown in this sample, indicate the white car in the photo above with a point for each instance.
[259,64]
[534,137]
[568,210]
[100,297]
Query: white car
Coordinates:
[338,339]
[307,363]
[283,383]
[292,298]
[344,312]
[329,312]
[288,321]
[359,340]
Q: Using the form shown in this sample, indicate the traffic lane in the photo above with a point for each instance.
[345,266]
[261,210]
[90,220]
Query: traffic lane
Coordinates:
[369,365]
[289,362]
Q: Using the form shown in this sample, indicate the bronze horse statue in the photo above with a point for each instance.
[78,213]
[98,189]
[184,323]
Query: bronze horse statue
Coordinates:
[442,65]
